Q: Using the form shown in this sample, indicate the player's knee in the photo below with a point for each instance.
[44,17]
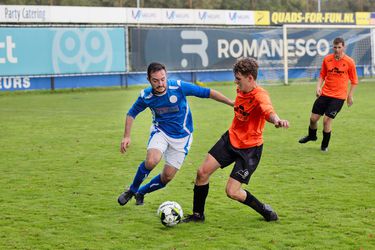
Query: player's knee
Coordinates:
[202,175]
[327,125]
[165,178]
[313,121]
[151,163]
[233,193]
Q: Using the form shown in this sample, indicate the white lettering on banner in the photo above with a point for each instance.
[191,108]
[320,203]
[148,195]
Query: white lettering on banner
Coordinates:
[8,45]
[369,70]
[199,49]
[322,47]
[299,47]
[271,48]
[14,83]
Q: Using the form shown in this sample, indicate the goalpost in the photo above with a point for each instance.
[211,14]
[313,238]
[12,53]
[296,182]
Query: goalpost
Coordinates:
[305,46]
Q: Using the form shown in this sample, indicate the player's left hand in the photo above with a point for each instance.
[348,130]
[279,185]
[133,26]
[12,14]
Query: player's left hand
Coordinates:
[125,142]
[349,101]
[282,124]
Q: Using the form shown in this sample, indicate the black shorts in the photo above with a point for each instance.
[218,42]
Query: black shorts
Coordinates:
[327,105]
[246,160]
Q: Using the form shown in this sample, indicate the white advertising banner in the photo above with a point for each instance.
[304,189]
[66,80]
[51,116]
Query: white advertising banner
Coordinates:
[65,14]
[178,16]
[143,15]
[238,17]
[113,15]
[210,17]
[24,14]
[60,14]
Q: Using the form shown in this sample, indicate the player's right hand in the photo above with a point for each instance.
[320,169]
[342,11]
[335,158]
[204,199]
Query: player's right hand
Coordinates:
[125,142]
[318,92]
[282,124]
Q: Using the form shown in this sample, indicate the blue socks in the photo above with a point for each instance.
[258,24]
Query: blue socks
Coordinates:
[139,177]
[153,185]
[141,174]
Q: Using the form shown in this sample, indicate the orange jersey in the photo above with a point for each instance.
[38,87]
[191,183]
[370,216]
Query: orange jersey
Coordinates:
[250,113]
[336,75]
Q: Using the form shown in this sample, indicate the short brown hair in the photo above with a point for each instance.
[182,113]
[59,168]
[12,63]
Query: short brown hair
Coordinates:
[246,66]
[154,67]
[339,40]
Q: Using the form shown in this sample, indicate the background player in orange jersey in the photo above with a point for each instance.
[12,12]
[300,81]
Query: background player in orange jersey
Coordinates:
[337,69]
[241,144]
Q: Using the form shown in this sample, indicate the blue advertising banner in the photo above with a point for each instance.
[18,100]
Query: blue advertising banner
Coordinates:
[55,51]
[307,47]
[210,48]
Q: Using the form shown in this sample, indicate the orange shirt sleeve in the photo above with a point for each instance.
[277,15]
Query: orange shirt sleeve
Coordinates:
[266,105]
[352,73]
[323,70]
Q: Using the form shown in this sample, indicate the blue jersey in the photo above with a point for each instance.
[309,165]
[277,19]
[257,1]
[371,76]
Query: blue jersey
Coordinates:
[170,111]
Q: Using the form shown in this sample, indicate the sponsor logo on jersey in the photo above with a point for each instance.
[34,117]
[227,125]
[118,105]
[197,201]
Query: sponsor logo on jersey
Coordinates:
[166,110]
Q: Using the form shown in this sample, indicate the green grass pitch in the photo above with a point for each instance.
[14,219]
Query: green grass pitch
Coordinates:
[61,173]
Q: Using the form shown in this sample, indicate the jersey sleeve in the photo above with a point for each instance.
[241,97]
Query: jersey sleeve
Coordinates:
[323,70]
[194,90]
[265,105]
[352,73]
[137,107]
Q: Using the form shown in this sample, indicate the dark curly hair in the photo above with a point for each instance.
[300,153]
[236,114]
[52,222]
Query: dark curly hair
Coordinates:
[246,66]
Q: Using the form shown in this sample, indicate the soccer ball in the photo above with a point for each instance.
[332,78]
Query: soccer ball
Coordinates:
[170,213]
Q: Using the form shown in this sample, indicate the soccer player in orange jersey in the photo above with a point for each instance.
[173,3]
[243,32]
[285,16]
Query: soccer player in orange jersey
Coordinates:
[242,144]
[337,69]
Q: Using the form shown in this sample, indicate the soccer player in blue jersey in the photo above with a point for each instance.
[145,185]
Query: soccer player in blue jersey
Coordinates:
[171,132]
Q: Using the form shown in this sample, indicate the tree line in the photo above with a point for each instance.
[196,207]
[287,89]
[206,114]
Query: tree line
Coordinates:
[270,5]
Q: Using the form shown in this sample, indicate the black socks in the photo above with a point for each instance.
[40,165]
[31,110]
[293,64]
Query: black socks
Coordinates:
[254,203]
[312,133]
[200,195]
[325,141]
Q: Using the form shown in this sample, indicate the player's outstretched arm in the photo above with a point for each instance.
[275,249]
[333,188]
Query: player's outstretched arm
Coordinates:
[217,96]
[279,123]
[125,142]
